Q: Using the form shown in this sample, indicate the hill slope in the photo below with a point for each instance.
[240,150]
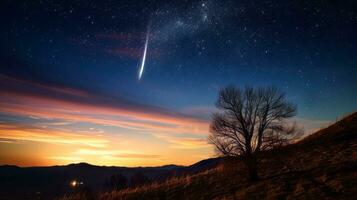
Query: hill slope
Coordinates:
[322,166]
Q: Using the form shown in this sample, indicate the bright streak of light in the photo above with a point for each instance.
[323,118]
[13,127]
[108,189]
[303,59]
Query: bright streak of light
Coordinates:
[144,56]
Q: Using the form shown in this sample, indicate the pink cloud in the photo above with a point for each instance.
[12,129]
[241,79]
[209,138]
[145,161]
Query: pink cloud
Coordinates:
[94,109]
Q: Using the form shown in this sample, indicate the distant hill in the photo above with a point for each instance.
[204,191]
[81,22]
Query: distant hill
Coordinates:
[321,166]
[49,182]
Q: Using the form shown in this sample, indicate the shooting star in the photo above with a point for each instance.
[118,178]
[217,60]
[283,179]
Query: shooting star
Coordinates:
[144,56]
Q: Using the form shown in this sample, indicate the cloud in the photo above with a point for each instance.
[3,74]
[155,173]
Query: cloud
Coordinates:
[63,123]
[189,143]
[184,141]
[17,132]
[132,52]
[136,155]
[203,112]
[10,83]
[8,141]
[121,36]
[128,52]
[66,158]
[114,154]
[25,98]
[127,44]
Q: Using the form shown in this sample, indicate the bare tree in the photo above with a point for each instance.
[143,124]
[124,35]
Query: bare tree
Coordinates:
[250,120]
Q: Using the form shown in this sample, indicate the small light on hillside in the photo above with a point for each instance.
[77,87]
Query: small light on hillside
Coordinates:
[74,183]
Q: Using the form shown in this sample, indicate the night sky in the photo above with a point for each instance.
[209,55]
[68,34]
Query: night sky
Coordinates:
[69,77]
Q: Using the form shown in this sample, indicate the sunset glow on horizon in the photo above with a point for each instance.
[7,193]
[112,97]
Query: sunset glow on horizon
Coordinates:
[75,126]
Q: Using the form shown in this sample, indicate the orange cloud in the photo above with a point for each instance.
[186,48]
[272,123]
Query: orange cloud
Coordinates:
[12,132]
[26,98]
[184,142]
[19,104]
[114,154]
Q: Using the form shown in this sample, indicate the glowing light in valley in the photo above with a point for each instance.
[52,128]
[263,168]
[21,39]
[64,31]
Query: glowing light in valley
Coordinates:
[144,56]
[74,183]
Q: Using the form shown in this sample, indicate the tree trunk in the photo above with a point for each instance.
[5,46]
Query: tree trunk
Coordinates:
[252,168]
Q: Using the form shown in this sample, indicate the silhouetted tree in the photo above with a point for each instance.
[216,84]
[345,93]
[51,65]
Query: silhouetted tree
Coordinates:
[139,179]
[251,120]
[118,182]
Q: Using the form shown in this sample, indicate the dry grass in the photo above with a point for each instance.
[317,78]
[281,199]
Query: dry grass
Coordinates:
[174,183]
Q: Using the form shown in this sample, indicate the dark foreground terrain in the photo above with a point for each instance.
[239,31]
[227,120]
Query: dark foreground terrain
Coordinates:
[322,166]
[24,183]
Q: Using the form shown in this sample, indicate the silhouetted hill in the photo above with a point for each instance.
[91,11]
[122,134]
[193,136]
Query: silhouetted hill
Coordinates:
[321,166]
[200,166]
[343,129]
[48,182]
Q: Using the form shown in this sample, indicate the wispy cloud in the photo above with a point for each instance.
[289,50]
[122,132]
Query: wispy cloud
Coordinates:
[184,141]
[189,143]
[129,52]
[121,36]
[15,132]
[66,158]
[114,154]
[44,102]
[126,44]
[132,52]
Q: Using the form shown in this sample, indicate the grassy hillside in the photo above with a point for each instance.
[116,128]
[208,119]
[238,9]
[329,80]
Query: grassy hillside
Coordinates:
[322,166]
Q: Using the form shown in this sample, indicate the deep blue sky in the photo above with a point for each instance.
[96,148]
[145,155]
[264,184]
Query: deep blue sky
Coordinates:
[306,48]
